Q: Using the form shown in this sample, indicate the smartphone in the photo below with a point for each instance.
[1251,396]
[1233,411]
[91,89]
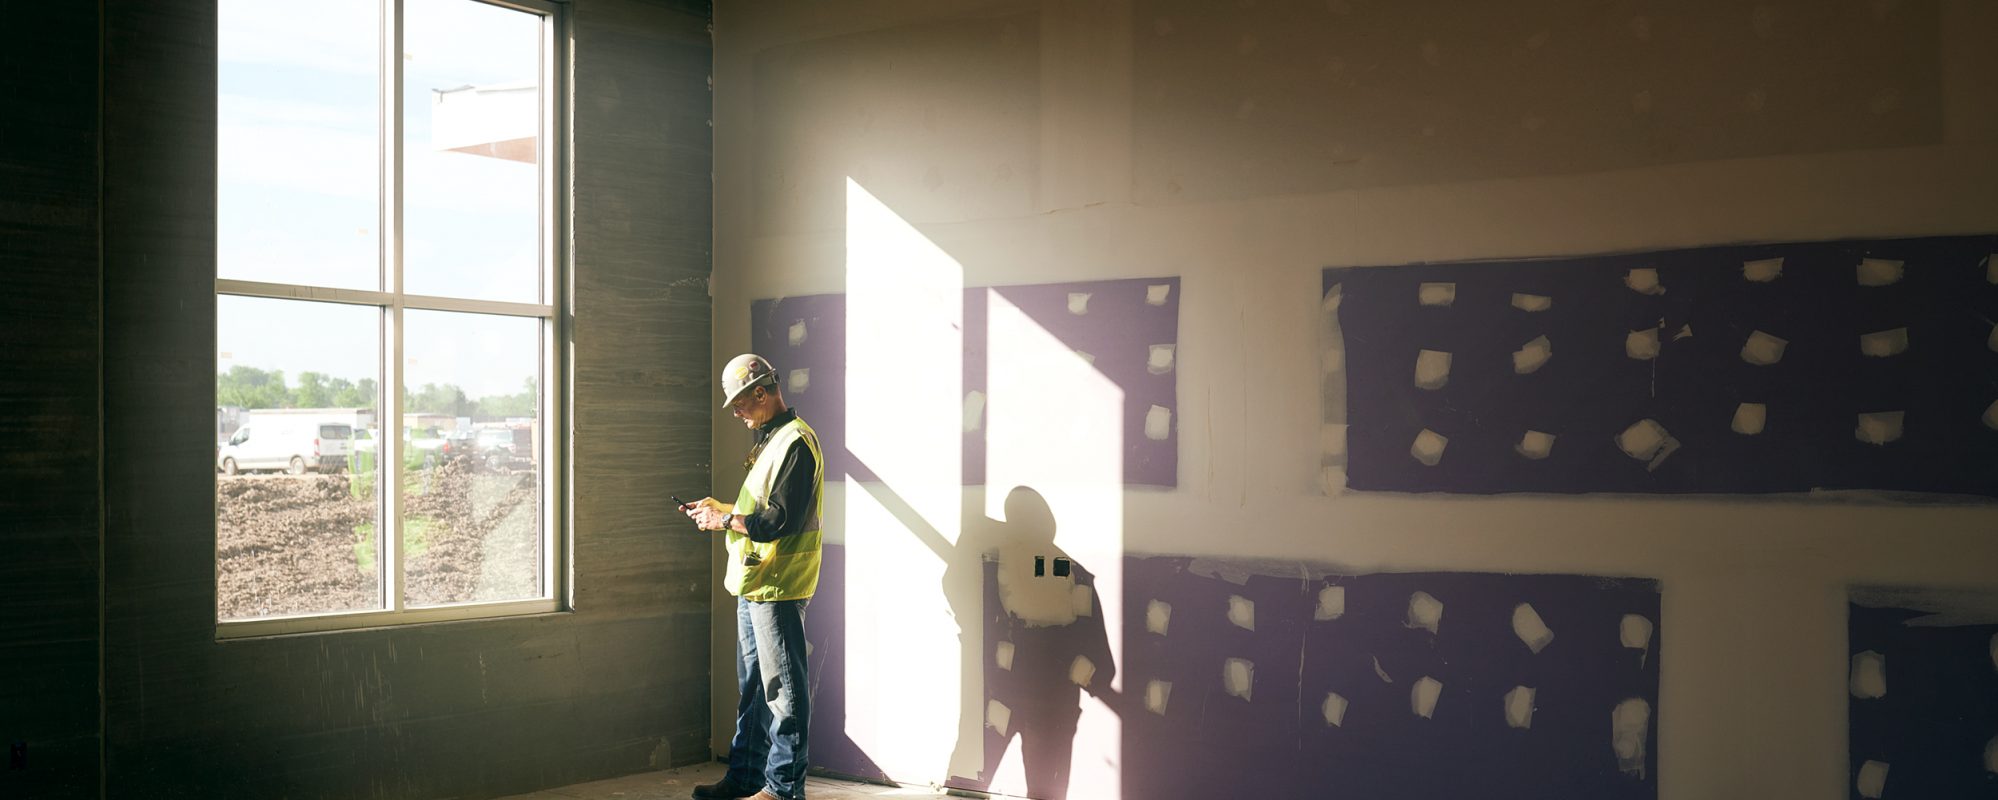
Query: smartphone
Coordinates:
[677,501]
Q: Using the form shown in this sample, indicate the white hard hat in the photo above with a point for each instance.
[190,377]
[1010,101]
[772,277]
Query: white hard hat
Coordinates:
[745,372]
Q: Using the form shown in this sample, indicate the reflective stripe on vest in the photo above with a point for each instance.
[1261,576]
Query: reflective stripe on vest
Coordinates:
[786,569]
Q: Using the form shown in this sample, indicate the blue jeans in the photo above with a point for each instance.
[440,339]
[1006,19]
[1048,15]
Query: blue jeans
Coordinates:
[771,719]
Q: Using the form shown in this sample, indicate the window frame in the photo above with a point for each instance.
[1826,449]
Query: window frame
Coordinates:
[557,232]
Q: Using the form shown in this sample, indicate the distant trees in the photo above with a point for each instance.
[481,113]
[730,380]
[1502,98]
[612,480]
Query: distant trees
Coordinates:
[250,387]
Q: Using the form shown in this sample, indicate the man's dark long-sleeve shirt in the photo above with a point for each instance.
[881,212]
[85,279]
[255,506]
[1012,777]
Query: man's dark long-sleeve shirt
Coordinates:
[792,502]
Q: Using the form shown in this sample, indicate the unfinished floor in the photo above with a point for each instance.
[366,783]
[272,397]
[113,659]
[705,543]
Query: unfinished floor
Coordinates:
[678,784]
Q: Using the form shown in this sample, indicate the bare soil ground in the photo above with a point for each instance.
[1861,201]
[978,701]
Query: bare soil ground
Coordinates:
[306,544]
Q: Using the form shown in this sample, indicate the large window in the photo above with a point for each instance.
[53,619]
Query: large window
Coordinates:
[388,273]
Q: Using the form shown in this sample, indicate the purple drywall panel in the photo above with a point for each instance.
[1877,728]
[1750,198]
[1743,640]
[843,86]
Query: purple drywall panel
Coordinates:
[1125,319]
[1924,711]
[1926,307]
[1604,652]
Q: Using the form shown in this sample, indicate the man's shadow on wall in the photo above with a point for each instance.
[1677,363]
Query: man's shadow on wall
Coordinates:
[1043,642]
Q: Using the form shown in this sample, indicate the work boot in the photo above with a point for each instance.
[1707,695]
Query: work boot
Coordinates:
[723,790]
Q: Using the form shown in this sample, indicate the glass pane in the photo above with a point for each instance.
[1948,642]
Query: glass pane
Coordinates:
[471,151]
[471,515]
[298,158]
[297,507]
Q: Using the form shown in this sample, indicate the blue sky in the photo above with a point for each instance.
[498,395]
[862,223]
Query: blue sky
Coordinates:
[298,183]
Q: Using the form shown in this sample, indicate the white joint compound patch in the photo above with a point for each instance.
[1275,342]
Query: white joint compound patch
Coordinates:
[1872,779]
[1532,356]
[974,410]
[1527,625]
[1647,441]
[1157,293]
[1432,369]
[1428,447]
[1425,612]
[1160,360]
[1762,270]
[1869,675]
[1158,423]
[1879,427]
[1532,303]
[1158,616]
[1332,439]
[1884,343]
[1334,709]
[1157,693]
[1083,600]
[1641,344]
[1002,654]
[1761,349]
[1634,631]
[1644,281]
[1332,480]
[1630,729]
[998,716]
[1242,612]
[1381,673]
[1991,415]
[1991,342]
[1238,677]
[1332,605]
[1519,707]
[797,335]
[1535,445]
[1422,697]
[1879,272]
[1685,332]
[801,379]
[1078,303]
[1436,294]
[1081,671]
[1749,418]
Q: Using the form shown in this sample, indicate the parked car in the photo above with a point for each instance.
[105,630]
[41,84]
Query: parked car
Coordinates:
[498,448]
[295,445]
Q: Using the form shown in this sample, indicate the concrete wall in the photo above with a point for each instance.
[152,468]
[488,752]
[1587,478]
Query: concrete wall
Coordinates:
[1246,146]
[471,709]
[49,416]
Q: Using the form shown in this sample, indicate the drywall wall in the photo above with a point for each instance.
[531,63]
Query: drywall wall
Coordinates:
[897,149]
[473,709]
[49,417]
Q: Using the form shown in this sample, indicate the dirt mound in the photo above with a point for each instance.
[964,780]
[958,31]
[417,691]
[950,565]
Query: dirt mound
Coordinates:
[308,544]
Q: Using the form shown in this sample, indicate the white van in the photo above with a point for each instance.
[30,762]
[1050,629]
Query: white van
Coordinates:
[292,444]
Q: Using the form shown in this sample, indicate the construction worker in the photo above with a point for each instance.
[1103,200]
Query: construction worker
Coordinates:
[773,568]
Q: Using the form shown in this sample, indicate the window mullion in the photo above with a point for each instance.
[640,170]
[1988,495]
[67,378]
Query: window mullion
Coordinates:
[392,363]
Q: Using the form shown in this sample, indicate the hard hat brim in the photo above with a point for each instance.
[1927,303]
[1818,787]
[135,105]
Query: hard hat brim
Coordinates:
[766,379]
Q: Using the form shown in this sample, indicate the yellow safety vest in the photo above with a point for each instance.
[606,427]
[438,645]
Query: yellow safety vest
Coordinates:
[786,569]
